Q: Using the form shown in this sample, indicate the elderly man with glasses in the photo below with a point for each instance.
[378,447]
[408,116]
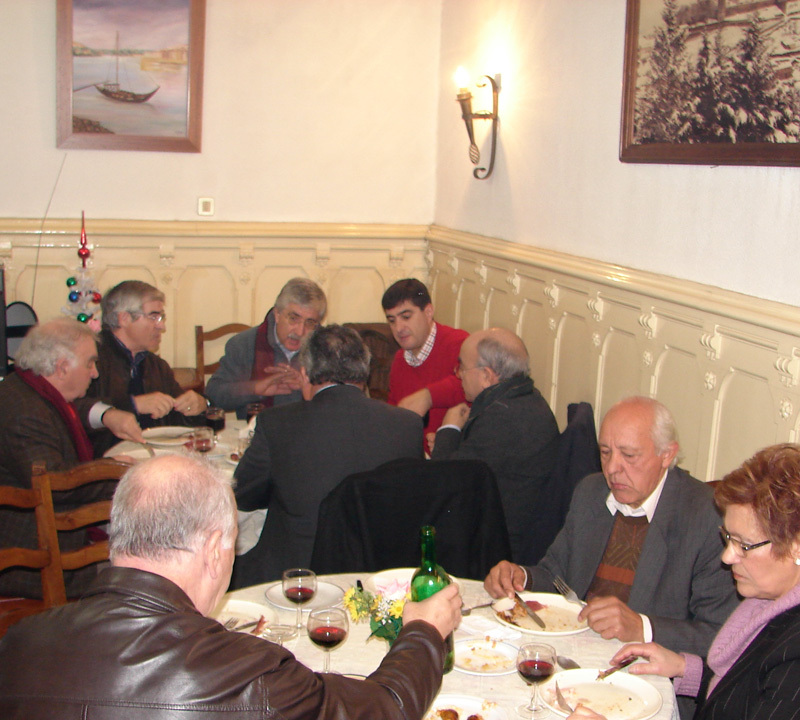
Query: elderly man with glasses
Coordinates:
[261,365]
[132,377]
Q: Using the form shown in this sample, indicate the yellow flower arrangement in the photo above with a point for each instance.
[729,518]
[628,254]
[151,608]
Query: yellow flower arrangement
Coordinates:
[383,609]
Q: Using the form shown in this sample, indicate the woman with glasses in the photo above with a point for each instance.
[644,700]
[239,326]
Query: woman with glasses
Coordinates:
[753,666]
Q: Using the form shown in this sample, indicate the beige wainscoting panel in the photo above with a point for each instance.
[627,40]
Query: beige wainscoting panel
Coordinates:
[727,365]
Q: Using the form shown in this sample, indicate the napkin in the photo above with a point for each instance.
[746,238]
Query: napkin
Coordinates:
[477,625]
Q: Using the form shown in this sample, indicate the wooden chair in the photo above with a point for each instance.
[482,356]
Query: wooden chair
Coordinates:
[200,338]
[382,346]
[48,558]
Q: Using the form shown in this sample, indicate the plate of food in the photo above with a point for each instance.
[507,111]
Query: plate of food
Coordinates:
[168,436]
[327,595]
[461,707]
[246,612]
[390,581]
[233,458]
[618,697]
[559,615]
[485,656]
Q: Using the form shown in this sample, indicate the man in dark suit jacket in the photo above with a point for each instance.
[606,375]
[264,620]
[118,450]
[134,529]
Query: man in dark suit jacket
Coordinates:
[510,427]
[301,451]
[665,582]
[40,421]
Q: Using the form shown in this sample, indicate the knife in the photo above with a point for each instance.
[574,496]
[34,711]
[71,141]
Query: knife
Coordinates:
[603,674]
[530,612]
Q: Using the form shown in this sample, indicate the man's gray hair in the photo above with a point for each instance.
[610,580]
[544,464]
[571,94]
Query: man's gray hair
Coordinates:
[335,354]
[47,343]
[129,296]
[170,504]
[303,292]
[505,361]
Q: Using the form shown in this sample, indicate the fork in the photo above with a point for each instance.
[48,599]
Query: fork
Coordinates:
[567,591]
[562,703]
[231,623]
[467,610]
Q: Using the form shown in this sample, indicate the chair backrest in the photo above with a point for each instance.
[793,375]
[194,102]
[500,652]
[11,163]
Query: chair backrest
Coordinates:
[371,520]
[45,557]
[382,346]
[200,338]
[87,515]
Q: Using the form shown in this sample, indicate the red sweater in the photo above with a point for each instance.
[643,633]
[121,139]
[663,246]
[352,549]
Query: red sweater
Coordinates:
[436,373]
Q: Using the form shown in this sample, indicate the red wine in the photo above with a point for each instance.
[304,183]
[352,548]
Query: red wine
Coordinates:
[534,671]
[217,424]
[203,445]
[299,595]
[327,637]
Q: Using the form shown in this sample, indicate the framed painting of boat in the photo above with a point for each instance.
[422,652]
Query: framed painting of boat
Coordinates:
[130,74]
[711,82]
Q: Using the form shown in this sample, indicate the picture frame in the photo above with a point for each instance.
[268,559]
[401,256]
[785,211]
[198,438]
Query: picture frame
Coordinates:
[135,79]
[707,126]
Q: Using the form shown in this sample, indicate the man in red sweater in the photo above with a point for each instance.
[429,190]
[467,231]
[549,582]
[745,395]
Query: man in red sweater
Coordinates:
[423,376]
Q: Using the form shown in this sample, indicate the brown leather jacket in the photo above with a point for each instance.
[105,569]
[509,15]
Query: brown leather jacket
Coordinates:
[135,647]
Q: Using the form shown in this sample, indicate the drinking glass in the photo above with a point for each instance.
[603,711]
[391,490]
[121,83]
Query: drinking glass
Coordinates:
[299,586]
[279,633]
[253,409]
[202,439]
[327,628]
[535,663]
[215,419]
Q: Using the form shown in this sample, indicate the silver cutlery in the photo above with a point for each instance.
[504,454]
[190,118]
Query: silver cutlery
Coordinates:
[467,610]
[562,703]
[603,674]
[531,613]
[233,624]
[567,663]
[147,446]
[230,623]
[566,591]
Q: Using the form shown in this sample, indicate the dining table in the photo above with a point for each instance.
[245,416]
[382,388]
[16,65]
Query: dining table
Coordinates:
[360,654]
[221,455]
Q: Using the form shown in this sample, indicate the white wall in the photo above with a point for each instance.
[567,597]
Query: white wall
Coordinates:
[313,111]
[558,182]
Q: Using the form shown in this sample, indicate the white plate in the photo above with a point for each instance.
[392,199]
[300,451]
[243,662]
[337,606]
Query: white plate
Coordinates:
[327,595]
[465,705]
[137,452]
[168,436]
[619,697]
[220,450]
[557,615]
[380,581]
[245,610]
[228,459]
[481,656]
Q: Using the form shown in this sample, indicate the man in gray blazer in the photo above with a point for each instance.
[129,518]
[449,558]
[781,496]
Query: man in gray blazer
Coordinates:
[301,451]
[646,555]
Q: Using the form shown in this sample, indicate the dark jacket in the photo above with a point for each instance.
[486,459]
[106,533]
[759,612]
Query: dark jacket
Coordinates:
[764,681]
[31,430]
[136,648]
[512,429]
[299,453]
[114,369]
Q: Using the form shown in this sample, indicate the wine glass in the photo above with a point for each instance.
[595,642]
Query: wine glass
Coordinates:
[328,628]
[279,633]
[203,439]
[299,586]
[535,663]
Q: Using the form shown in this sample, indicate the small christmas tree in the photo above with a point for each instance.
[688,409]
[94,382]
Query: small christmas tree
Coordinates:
[84,299]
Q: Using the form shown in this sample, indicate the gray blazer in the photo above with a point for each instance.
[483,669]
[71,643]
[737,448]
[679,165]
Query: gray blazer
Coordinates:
[680,584]
[299,453]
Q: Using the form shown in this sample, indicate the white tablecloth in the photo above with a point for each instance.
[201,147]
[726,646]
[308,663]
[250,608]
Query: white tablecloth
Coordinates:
[250,523]
[359,656]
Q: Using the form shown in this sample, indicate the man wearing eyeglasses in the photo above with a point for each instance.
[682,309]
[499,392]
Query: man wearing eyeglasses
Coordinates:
[640,542]
[131,376]
[260,365]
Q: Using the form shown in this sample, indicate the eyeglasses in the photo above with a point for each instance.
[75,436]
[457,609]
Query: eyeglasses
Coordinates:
[739,547]
[459,369]
[295,319]
[154,317]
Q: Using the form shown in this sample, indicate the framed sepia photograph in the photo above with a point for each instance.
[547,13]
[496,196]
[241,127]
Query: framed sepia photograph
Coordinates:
[130,74]
[711,82]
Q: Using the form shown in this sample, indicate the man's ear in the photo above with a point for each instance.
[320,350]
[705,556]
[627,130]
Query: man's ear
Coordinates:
[428,312]
[212,554]
[63,366]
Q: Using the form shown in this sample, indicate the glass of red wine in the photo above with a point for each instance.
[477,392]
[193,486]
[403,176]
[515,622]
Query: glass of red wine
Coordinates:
[327,628]
[299,586]
[535,663]
[215,419]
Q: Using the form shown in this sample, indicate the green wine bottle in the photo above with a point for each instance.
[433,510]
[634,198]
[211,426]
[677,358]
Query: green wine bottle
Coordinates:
[429,579]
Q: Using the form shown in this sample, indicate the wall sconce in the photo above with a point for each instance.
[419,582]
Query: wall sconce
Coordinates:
[464,98]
